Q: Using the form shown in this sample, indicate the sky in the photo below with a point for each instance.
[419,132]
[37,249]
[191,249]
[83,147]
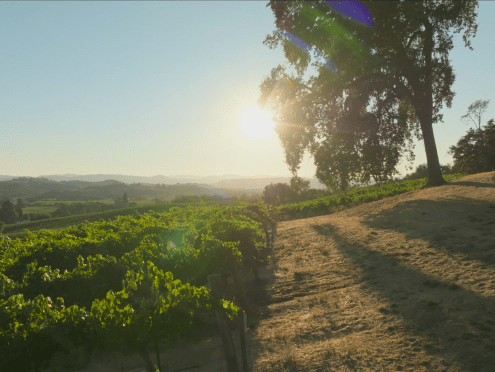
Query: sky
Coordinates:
[150,88]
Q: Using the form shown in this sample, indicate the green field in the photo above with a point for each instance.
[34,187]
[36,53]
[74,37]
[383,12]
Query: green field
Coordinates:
[17,230]
[39,209]
[54,202]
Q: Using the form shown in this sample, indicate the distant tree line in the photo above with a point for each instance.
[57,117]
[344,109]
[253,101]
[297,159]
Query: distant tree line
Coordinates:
[296,191]
[422,171]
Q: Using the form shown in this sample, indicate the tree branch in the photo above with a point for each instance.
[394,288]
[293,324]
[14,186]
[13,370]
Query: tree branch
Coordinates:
[413,36]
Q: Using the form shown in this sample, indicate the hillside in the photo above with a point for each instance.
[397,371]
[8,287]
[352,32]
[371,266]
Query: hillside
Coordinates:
[405,283]
[42,188]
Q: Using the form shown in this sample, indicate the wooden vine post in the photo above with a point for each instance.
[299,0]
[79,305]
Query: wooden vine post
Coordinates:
[238,283]
[242,331]
[273,233]
[215,282]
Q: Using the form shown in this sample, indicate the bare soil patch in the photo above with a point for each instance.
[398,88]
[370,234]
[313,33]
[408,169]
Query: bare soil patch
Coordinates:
[406,283]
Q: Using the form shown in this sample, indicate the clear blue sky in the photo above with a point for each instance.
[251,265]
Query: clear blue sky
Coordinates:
[159,87]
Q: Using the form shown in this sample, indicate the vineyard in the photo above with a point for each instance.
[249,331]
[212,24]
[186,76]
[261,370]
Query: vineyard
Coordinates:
[17,230]
[352,198]
[136,280]
[111,283]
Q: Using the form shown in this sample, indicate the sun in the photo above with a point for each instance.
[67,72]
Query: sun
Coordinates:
[257,123]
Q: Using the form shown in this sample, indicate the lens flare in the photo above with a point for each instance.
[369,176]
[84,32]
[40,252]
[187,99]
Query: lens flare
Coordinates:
[353,9]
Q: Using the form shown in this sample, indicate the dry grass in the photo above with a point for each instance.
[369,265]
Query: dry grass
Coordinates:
[401,284]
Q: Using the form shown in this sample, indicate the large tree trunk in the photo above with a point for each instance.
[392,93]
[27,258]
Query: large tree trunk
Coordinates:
[344,183]
[434,172]
[426,117]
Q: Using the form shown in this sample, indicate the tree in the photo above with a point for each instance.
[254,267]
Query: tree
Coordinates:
[422,171]
[125,199]
[337,161]
[20,215]
[475,152]
[18,208]
[7,212]
[475,111]
[20,203]
[381,94]
[276,194]
[299,188]
[296,191]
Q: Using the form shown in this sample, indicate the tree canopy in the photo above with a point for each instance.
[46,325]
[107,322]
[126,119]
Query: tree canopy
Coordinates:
[391,82]
[298,190]
[8,213]
[475,152]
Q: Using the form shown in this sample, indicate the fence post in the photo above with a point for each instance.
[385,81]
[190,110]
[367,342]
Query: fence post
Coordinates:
[228,344]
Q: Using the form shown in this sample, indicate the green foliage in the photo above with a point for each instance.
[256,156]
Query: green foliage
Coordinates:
[276,194]
[152,306]
[39,216]
[125,200]
[281,193]
[475,152]
[17,230]
[422,171]
[8,212]
[356,196]
[20,203]
[70,209]
[359,122]
[193,199]
[121,271]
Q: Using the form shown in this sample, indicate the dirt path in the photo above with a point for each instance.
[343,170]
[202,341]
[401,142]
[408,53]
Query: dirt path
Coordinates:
[402,284]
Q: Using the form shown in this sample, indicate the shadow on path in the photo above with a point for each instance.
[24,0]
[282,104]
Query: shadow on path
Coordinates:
[463,226]
[461,323]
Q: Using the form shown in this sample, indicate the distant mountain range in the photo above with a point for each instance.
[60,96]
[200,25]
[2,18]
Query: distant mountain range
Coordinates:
[229,181]
[73,190]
